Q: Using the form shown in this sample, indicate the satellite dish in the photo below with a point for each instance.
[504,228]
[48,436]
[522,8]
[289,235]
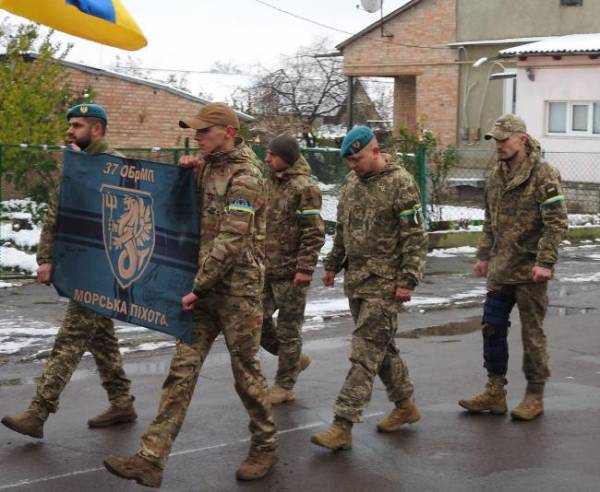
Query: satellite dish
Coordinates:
[371,6]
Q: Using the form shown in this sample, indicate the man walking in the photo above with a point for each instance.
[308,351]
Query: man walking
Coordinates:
[82,329]
[525,219]
[381,245]
[295,235]
[226,298]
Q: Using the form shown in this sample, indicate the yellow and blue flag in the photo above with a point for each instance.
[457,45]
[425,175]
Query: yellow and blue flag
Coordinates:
[103,21]
[126,239]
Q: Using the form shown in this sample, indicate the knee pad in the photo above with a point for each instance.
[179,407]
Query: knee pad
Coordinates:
[496,310]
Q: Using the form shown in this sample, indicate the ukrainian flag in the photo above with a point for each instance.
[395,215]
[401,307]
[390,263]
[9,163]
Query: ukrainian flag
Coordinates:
[103,21]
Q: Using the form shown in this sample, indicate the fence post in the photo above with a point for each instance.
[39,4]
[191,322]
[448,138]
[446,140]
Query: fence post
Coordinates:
[422,178]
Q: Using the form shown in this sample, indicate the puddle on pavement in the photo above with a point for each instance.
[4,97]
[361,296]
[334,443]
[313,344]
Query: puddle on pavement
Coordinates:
[463,327]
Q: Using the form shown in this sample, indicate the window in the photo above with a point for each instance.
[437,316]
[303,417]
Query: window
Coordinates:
[573,118]
[571,3]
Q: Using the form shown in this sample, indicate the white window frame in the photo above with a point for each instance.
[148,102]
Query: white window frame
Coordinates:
[569,116]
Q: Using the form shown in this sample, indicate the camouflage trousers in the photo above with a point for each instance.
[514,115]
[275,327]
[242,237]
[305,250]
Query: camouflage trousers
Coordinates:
[532,301]
[284,338]
[82,330]
[374,353]
[239,319]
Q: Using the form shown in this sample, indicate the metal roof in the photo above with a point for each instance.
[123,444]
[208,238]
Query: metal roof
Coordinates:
[572,44]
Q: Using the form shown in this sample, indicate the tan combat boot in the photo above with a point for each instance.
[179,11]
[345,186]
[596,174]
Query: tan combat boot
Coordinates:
[337,437]
[406,412]
[305,361]
[532,405]
[112,416]
[492,399]
[256,465]
[134,468]
[279,395]
[25,423]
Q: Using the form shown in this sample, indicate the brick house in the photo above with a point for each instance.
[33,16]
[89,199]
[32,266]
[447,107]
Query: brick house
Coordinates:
[429,48]
[141,113]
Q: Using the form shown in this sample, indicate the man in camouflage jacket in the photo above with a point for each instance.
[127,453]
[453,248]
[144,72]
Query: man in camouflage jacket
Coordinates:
[295,235]
[82,329]
[525,219]
[226,298]
[381,245]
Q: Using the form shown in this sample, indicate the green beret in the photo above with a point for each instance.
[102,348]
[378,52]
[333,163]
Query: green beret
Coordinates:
[87,111]
[356,140]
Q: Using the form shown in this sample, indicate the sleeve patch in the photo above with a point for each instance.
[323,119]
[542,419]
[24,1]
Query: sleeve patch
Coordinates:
[413,214]
[552,195]
[308,212]
[239,207]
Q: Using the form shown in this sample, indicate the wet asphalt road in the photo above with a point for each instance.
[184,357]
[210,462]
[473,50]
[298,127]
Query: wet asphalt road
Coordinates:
[447,450]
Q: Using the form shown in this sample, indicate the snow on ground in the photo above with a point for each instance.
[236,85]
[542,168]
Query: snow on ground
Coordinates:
[14,258]
[25,238]
[450,252]
[144,347]
[6,285]
[594,277]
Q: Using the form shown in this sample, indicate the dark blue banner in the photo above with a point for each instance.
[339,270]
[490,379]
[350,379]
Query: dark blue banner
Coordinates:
[126,241]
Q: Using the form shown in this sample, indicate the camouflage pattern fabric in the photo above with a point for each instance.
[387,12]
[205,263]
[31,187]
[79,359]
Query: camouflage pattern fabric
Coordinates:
[284,338]
[374,353]
[525,218]
[532,302]
[295,230]
[81,330]
[239,320]
[229,282]
[232,223]
[381,244]
[379,237]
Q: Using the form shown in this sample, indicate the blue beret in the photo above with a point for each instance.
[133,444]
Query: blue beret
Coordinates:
[87,111]
[356,140]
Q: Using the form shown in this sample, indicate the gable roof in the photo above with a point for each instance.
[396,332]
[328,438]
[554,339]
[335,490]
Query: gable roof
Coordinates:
[572,44]
[246,118]
[378,23]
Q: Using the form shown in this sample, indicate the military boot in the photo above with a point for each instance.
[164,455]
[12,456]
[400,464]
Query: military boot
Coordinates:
[305,361]
[492,399]
[532,405]
[337,437]
[279,395]
[406,412]
[135,468]
[256,465]
[113,415]
[25,423]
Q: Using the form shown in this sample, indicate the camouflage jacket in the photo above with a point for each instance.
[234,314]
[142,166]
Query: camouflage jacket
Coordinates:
[525,219]
[295,230]
[379,239]
[46,243]
[232,206]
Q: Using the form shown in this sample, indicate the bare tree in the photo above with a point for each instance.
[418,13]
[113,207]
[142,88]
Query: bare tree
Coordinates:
[301,92]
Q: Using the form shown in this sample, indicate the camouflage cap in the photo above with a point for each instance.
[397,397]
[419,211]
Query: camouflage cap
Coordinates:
[87,111]
[356,140]
[506,125]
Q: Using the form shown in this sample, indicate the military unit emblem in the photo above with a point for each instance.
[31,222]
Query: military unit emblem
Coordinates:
[128,230]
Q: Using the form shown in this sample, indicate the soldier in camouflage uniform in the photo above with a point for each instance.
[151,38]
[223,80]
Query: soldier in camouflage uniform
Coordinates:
[525,219]
[82,329]
[226,298]
[381,245]
[295,235]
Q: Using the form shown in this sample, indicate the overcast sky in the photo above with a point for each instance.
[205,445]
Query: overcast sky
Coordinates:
[193,34]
